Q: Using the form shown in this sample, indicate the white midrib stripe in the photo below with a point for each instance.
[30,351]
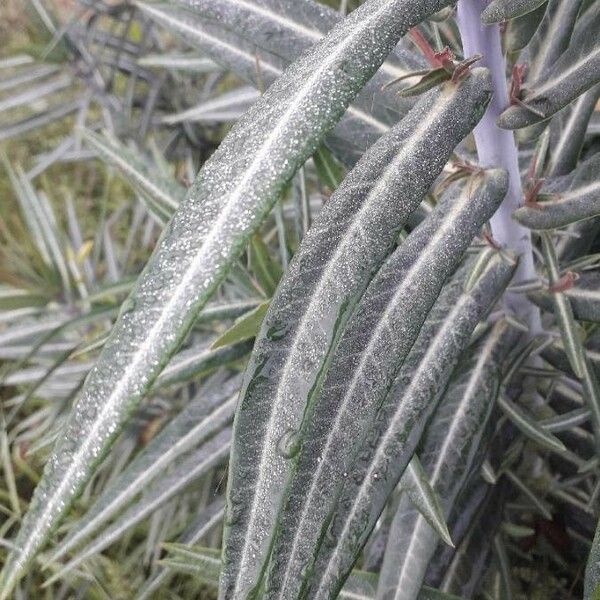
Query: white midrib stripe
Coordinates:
[373,195]
[577,192]
[537,92]
[449,324]
[182,26]
[585,294]
[134,486]
[156,331]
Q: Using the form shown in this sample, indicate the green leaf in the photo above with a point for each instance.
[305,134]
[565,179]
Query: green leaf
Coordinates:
[245,328]
[434,78]
[415,482]
[315,299]
[450,445]
[503,10]
[231,196]
[370,353]
[575,72]
[202,418]
[521,30]
[267,271]
[330,172]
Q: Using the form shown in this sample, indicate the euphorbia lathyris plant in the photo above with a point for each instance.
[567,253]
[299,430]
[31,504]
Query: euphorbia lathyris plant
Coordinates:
[439,306]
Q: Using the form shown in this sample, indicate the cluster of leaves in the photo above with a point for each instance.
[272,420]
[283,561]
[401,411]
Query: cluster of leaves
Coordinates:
[274,347]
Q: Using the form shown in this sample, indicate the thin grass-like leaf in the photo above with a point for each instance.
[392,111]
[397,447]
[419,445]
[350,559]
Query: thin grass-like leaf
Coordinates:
[190,468]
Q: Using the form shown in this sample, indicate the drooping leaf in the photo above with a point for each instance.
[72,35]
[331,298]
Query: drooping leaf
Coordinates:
[577,70]
[361,219]
[415,483]
[266,270]
[450,444]
[503,10]
[371,350]
[232,194]
[202,418]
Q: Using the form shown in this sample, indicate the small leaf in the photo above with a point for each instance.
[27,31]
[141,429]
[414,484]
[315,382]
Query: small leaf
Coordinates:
[245,328]
[434,78]
[563,311]
[267,271]
[415,483]
[528,426]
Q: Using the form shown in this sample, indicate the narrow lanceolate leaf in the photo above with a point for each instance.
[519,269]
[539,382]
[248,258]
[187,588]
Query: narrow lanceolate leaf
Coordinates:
[584,297]
[567,133]
[323,283]
[195,464]
[577,70]
[521,30]
[416,485]
[592,570]
[503,10]
[233,193]
[563,311]
[580,201]
[371,350]
[449,447]
[165,192]
[529,426]
[202,418]
[245,328]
